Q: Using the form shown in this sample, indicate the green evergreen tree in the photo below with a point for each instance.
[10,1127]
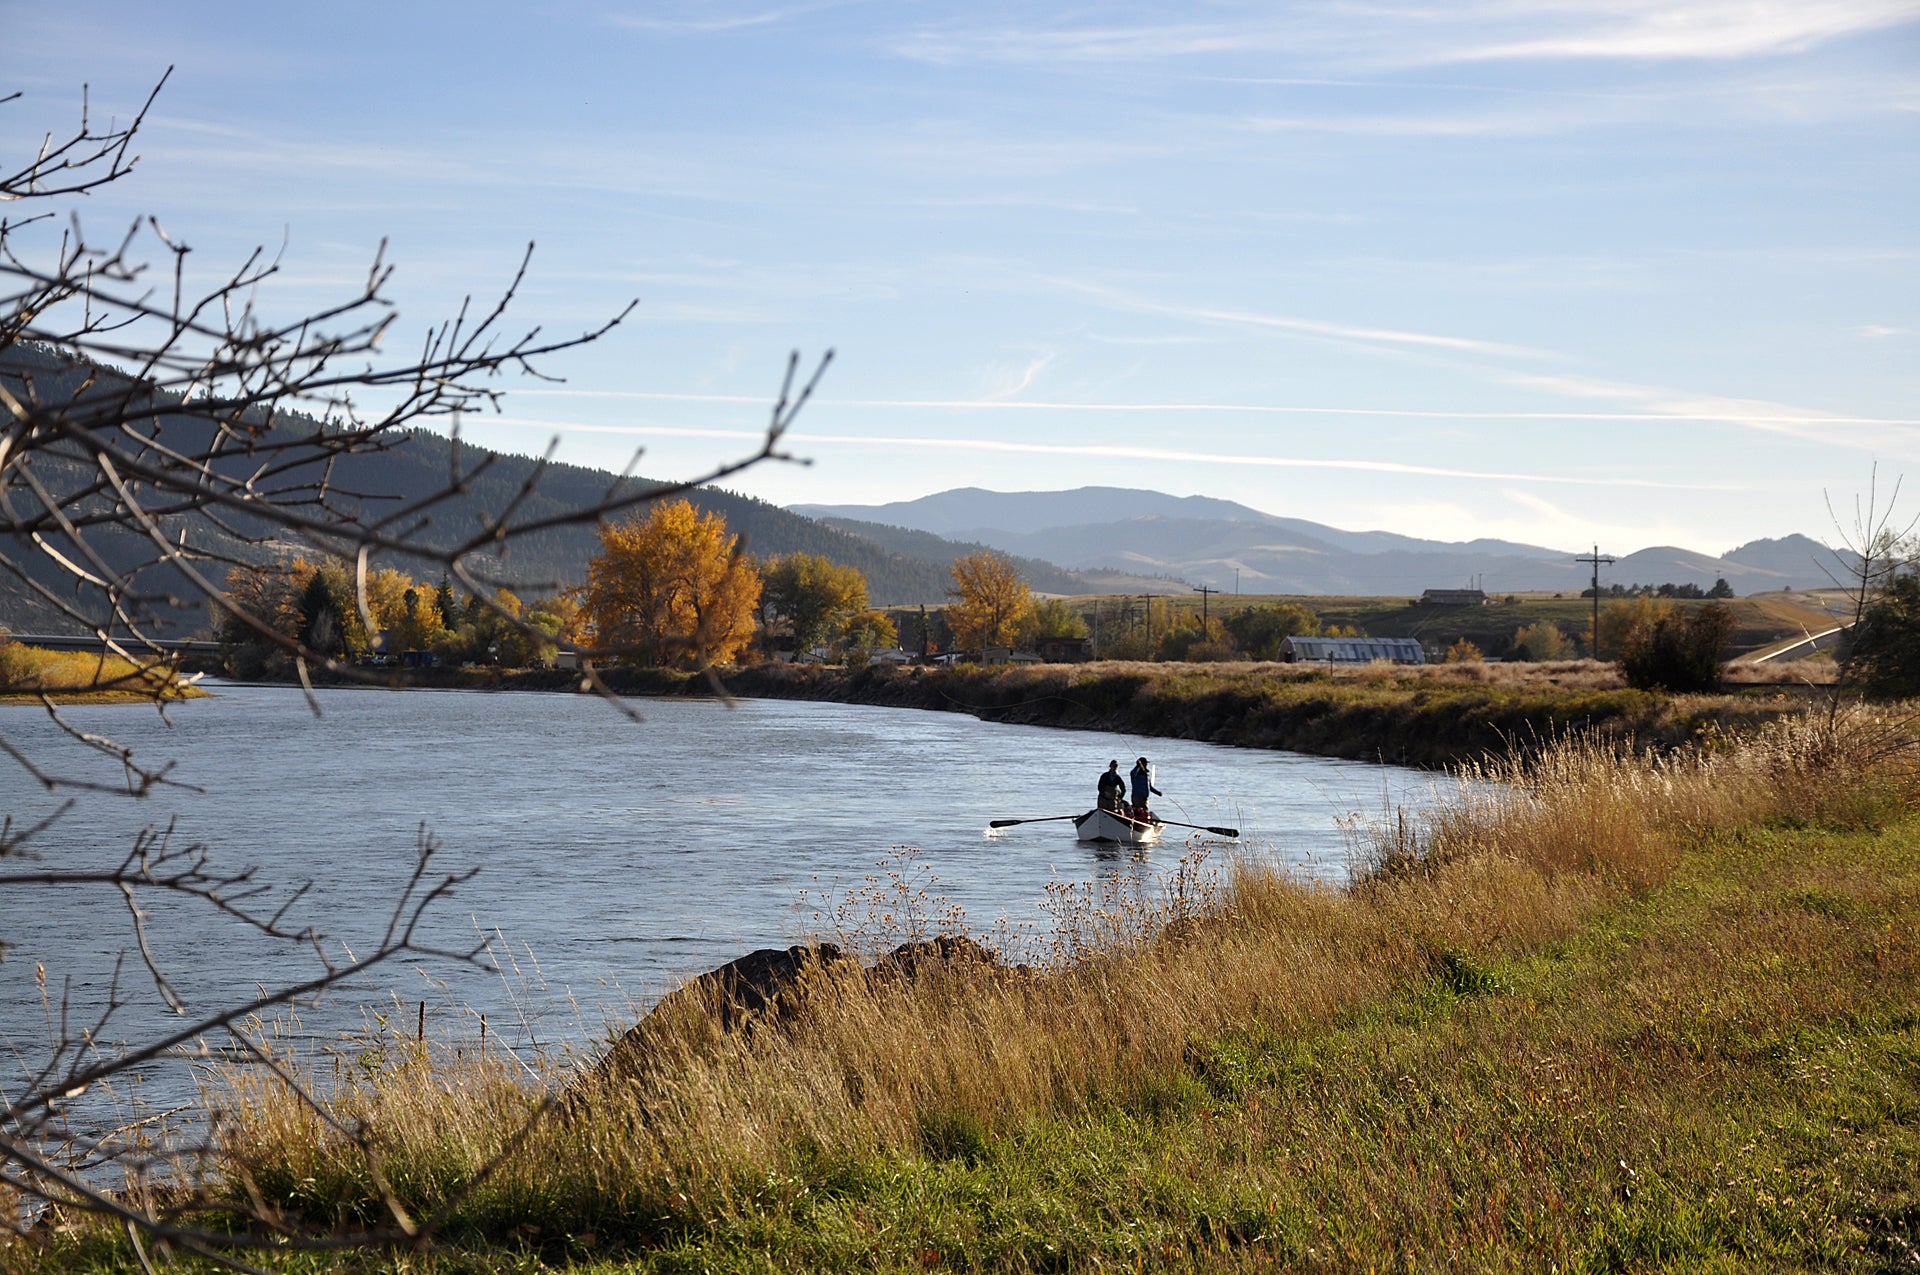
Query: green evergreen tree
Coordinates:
[1883,654]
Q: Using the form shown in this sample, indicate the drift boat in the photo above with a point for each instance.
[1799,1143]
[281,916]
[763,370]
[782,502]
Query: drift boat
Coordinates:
[1105,825]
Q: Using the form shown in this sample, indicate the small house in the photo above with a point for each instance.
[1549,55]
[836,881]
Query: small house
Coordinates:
[1064,650]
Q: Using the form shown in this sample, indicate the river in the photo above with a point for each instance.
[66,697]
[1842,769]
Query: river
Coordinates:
[611,859]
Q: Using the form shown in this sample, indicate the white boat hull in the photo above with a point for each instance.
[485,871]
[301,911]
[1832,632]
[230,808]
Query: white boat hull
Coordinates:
[1104,825]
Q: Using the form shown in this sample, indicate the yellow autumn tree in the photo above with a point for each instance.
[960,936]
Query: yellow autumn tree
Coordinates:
[991,599]
[671,588]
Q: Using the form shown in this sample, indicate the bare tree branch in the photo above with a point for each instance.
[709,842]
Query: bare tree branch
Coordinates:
[156,434]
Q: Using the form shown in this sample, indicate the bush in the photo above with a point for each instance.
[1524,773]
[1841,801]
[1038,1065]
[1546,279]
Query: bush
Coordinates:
[1883,653]
[1260,629]
[1538,643]
[1676,652]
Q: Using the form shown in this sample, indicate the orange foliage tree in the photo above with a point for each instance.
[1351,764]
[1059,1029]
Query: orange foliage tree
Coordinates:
[671,588]
[991,600]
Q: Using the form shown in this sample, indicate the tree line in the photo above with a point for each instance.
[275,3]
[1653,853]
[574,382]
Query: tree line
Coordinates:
[674,588]
[1720,590]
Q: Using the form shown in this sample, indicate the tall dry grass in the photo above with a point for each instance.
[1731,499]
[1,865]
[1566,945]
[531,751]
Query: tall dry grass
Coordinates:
[28,670]
[720,1124]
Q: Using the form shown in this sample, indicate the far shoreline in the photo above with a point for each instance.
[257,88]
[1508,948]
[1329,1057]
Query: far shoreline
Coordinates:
[1433,716]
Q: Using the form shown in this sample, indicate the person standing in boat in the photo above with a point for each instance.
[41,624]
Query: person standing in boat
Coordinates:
[1112,788]
[1142,776]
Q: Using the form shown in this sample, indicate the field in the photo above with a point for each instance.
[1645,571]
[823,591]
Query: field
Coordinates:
[1759,620]
[1627,1013]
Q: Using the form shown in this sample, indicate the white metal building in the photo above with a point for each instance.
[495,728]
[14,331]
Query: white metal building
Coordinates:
[1360,650]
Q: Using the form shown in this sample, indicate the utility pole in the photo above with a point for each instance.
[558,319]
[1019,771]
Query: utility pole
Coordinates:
[1595,558]
[1205,591]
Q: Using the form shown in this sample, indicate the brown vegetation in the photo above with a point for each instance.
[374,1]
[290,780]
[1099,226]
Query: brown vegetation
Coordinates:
[1420,715]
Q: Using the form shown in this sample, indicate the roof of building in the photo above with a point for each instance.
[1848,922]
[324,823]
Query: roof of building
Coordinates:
[1455,597]
[1354,650]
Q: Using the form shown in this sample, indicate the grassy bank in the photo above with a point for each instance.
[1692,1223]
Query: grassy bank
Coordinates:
[1434,715]
[1428,716]
[1628,1013]
[29,672]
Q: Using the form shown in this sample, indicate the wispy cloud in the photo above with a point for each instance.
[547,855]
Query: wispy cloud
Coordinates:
[1698,410]
[1760,414]
[1435,34]
[1373,336]
[716,24]
[1114,451]
[1021,383]
[1703,29]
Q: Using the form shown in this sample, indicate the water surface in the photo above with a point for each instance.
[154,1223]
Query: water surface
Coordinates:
[613,858]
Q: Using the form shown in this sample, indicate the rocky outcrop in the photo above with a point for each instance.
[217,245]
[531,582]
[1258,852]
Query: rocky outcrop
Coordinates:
[762,988]
[942,957]
[770,989]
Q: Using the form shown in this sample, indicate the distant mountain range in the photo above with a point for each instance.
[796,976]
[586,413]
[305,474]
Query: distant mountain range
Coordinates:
[1091,540]
[1204,541]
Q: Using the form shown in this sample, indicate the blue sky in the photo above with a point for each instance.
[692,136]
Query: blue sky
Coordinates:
[1560,271]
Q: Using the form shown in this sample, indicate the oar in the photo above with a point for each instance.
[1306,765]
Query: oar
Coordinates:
[1008,823]
[1218,832]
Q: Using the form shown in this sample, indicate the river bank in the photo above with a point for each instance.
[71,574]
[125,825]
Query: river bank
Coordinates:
[1431,716]
[1622,1013]
[32,675]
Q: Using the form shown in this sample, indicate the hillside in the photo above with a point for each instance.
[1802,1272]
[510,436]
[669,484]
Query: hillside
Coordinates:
[415,466]
[1042,575]
[1226,545]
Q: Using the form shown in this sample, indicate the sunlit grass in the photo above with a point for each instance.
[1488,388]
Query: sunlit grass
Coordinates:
[34,671]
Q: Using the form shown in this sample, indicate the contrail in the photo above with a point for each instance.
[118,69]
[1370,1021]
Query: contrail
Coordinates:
[1028,405]
[1115,451]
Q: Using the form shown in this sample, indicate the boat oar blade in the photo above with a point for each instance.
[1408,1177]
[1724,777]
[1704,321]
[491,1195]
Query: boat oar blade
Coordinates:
[1008,823]
[1201,827]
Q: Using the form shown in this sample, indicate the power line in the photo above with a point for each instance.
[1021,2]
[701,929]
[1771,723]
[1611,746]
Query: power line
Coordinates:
[1595,558]
[1205,591]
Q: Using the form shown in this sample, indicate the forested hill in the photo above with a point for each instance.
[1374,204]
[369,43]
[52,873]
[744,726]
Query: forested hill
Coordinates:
[419,467]
[418,464]
[927,547]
